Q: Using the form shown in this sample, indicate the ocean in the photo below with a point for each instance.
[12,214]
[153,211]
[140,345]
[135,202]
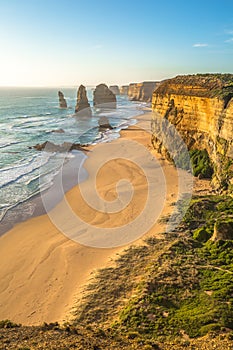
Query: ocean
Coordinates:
[29,116]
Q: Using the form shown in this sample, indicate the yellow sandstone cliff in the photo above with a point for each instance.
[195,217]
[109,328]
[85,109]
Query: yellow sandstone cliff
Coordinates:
[201,109]
[141,91]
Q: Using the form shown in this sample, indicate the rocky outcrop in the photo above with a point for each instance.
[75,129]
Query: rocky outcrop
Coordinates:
[124,90]
[142,91]
[65,147]
[223,230]
[201,109]
[115,89]
[62,100]
[104,124]
[82,107]
[58,131]
[104,97]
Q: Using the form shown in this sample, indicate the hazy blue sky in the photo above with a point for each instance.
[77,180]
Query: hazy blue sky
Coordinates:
[68,42]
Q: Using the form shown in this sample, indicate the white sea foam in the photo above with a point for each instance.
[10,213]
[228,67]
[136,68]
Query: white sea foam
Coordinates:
[13,174]
[25,124]
[7,144]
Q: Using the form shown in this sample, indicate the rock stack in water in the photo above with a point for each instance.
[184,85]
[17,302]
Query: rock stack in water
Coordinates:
[82,107]
[104,97]
[104,124]
[62,100]
[115,89]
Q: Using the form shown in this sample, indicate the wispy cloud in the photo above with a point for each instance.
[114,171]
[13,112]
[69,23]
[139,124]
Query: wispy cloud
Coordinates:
[200,45]
[229,33]
[229,40]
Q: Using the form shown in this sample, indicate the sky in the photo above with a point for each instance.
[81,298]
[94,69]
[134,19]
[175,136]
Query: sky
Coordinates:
[69,42]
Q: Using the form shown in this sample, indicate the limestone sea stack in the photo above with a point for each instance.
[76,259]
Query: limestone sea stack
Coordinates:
[62,100]
[104,97]
[82,107]
[115,89]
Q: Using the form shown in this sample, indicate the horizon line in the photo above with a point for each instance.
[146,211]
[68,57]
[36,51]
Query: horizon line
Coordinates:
[75,86]
[108,84]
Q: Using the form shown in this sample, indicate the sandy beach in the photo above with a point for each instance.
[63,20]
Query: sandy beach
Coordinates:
[42,271]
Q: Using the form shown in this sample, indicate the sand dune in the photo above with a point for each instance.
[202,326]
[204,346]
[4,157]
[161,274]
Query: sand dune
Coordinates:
[42,271]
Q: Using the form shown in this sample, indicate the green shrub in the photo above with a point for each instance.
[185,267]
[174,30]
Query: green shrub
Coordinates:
[8,324]
[202,235]
[201,163]
[209,328]
[132,335]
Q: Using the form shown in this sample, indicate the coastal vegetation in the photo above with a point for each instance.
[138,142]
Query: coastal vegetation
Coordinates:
[196,160]
[186,289]
[180,289]
[201,164]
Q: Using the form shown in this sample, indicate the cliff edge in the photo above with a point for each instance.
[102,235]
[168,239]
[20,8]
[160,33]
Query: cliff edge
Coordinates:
[201,108]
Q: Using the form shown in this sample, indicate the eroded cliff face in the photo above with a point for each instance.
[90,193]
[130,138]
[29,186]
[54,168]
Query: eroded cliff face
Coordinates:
[142,91]
[124,89]
[201,109]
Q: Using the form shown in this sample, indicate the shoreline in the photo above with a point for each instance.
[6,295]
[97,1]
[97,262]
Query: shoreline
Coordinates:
[33,206]
[44,273]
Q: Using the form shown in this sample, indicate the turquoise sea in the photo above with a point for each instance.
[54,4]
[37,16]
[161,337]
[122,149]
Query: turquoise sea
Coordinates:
[29,116]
